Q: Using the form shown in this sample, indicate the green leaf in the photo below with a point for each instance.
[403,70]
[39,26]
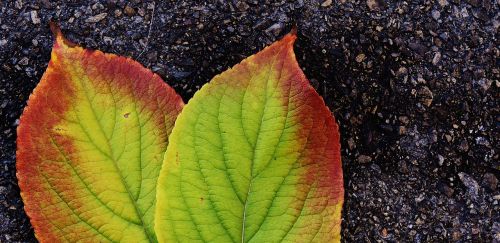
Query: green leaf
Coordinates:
[90,147]
[253,157]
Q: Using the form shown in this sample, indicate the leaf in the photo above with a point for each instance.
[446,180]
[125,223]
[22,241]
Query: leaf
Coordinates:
[254,157]
[90,146]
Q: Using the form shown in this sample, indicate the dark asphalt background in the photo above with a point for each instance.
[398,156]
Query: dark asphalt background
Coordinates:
[413,84]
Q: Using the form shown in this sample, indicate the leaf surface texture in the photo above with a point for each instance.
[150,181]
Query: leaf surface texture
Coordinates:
[90,147]
[254,157]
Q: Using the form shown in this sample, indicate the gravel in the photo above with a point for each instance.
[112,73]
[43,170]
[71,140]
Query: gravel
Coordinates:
[414,86]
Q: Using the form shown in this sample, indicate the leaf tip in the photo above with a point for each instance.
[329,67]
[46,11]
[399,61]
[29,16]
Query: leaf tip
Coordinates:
[290,37]
[293,32]
[59,37]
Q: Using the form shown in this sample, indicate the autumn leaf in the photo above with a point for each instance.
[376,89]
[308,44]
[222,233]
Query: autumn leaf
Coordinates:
[253,157]
[90,146]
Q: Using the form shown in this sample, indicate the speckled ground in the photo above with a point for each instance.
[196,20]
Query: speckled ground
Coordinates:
[414,86]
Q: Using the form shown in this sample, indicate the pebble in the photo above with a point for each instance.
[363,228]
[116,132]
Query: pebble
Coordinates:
[402,71]
[483,141]
[129,11]
[485,83]
[445,189]
[18,4]
[326,3]
[96,18]
[402,130]
[275,29]
[360,58]
[418,48]
[364,159]
[440,160]
[463,146]
[34,17]
[437,58]
[490,181]
[471,185]
[372,4]
[443,3]
[24,61]
[242,6]
[425,95]
[404,119]
[351,144]
[436,14]
[141,12]
[118,13]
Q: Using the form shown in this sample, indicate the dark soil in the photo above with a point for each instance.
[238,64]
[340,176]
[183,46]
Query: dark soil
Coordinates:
[414,86]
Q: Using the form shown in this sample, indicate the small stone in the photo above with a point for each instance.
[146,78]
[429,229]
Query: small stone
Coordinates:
[420,198]
[442,3]
[360,58]
[445,189]
[444,36]
[24,61]
[448,138]
[419,221]
[18,4]
[108,40]
[141,12]
[495,230]
[129,11]
[474,3]
[490,181]
[384,233]
[351,144]
[34,17]
[403,167]
[471,185]
[326,3]
[425,95]
[96,18]
[419,48]
[436,14]
[3,42]
[275,29]
[404,119]
[485,83]
[372,4]
[402,130]
[483,141]
[77,14]
[437,58]
[402,71]
[440,160]
[242,6]
[363,159]
[118,13]
[463,146]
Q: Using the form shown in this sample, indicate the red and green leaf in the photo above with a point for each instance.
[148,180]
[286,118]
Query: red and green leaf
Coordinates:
[90,146]
[253,157]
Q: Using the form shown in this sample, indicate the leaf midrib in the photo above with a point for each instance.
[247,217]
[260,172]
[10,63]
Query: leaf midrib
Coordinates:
[255,146]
